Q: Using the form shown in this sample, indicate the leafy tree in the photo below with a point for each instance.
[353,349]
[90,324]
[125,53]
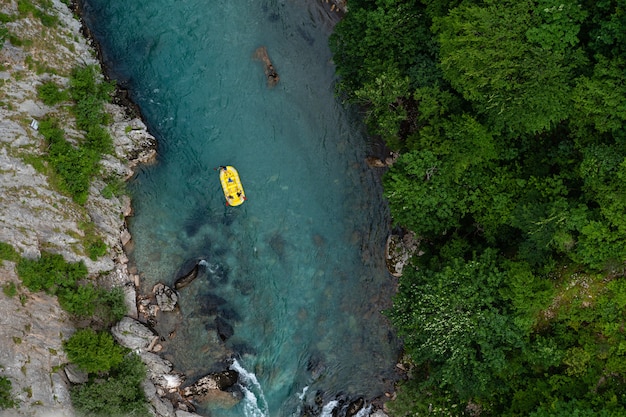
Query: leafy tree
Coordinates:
[600,100]
[456,322]
[94,351]
[511,60]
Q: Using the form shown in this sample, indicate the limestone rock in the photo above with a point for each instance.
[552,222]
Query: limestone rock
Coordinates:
[75,375]
[155,364]
[132,334]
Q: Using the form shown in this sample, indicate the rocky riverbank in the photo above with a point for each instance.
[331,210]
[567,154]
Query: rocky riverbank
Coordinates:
[36,217]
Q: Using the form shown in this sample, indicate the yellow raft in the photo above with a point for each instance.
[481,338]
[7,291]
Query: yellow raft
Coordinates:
[231,184]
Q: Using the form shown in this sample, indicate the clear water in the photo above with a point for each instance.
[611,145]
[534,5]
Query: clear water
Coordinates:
[298,270]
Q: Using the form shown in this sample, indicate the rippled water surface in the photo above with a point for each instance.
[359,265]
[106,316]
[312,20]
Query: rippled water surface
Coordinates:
[294,278]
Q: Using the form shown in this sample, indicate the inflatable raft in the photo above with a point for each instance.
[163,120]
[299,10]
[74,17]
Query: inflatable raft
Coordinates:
[231,184]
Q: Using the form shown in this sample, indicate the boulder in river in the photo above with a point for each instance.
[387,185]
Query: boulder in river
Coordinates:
[212,387]
[166,298]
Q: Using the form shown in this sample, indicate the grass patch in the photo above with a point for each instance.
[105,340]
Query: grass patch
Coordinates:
[8,253]
[44,12]
[9,289]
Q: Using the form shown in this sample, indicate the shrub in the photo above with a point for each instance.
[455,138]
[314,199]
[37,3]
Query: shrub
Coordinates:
[79,300]
[50,93]
[74,166]
[115,187]
[96,249]
[6,397]
[94,351]
[99,140]
[50,273]
[109,307]
[119,394]
[4,34]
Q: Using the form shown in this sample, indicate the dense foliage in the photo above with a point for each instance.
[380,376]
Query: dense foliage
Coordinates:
[509,119]
[76,164]
[52,274]
[118,394]
[93,351]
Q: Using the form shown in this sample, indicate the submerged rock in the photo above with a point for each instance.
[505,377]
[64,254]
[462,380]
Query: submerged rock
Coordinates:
[224,330]
[270,72]
[188,274]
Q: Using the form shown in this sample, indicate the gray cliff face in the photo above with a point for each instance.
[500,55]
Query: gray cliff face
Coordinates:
[35,217]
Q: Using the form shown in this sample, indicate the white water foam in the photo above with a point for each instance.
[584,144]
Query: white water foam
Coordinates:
[327,411]
[364,412]
[303,393]
[255,404]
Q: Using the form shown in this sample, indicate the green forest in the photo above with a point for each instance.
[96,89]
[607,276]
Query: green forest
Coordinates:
[508,118]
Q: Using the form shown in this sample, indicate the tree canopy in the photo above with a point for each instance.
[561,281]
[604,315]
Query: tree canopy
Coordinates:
[509,120]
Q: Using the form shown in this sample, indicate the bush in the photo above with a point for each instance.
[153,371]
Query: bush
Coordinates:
[6,397]
[79,300]
[74,166]
[50,273]
[4,33]
[94,351]
[115,187]
[109,307]
[50,93]
[96,249]
[99,140]
[119,394]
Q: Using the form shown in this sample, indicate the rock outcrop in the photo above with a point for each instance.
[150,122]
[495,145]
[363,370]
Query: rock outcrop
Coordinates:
[35,216]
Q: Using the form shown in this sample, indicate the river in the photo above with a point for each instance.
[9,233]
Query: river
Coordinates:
[296,274]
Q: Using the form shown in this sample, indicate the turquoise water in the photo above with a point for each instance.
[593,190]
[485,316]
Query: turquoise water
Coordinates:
[297,272]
